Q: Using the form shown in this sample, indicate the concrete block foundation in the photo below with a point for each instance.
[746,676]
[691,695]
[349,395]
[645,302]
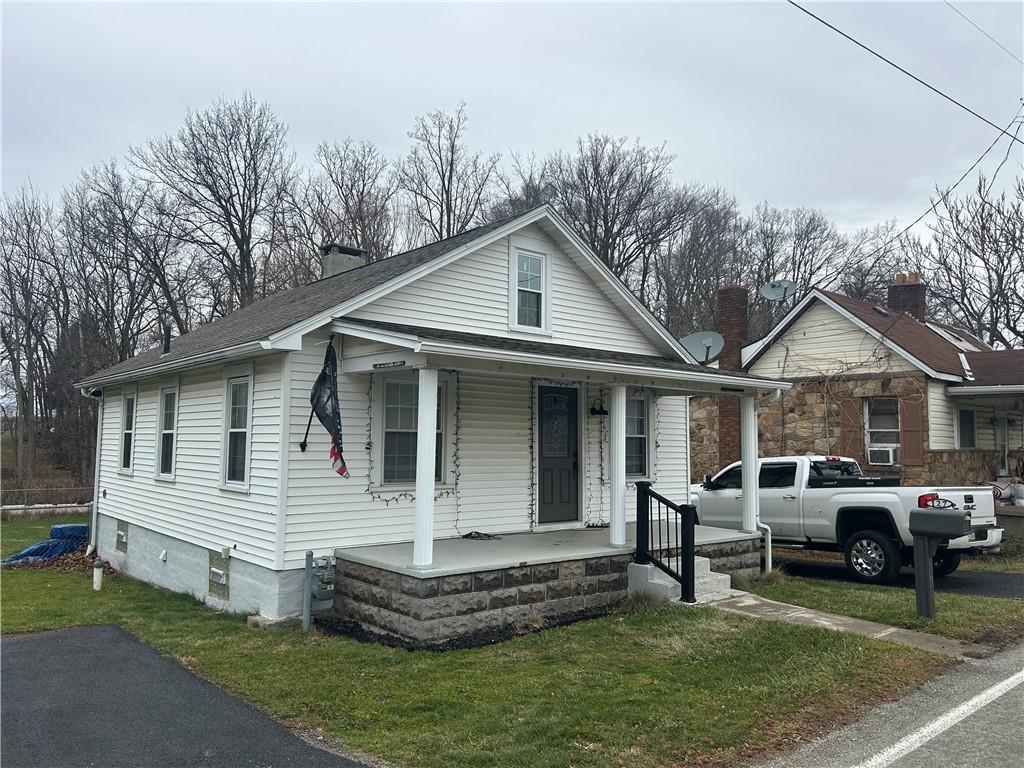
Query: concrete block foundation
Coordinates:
[179,566]
[473,607]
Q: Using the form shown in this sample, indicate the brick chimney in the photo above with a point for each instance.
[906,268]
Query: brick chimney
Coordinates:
[340,258]
[908,294]
[731,311]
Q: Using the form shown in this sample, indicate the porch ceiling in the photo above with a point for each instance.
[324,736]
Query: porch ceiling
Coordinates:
[452,556]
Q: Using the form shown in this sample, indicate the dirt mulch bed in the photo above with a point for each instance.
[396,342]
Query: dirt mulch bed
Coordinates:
[72,562]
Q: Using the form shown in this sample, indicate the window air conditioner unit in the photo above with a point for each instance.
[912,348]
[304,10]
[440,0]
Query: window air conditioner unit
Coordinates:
[882,456]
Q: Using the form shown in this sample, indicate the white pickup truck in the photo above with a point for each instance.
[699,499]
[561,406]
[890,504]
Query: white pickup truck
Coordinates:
[825,502]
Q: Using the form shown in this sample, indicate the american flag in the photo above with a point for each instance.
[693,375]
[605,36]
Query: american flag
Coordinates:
[324,399]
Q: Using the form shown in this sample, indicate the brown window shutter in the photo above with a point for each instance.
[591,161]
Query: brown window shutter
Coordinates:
[911,433]
[851,428]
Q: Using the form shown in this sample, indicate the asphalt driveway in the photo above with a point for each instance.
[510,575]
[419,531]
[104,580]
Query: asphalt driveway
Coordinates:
[981,583]
[96,696]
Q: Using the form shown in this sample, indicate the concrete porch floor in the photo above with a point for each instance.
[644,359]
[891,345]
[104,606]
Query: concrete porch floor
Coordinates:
[513,550]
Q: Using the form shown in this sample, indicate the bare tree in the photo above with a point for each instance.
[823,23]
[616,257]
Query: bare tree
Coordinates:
[229,168]
[447,186]
[527,185]
[620,198]
[365,185]
[976,262]
[27,241]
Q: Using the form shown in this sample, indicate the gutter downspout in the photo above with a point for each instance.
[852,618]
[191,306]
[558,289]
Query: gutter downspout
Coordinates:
[767,546]
[96,479]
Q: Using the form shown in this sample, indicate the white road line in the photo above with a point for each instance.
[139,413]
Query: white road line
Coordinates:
[923,735]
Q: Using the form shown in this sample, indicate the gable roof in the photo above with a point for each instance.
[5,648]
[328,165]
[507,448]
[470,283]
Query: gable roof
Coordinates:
[905,334]
[253,328]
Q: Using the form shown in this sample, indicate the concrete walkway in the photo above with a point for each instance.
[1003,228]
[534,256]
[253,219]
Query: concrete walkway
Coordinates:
[762,608]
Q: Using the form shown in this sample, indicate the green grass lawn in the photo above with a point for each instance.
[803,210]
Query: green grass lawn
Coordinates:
[964,617]
[646,688]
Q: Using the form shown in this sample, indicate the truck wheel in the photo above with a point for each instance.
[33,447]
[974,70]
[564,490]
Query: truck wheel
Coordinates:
[872,557]
[945,563]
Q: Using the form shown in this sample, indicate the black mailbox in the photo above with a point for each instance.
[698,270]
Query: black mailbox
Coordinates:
[940,523]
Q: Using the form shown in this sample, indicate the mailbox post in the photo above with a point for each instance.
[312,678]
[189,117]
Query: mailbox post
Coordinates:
[931,528]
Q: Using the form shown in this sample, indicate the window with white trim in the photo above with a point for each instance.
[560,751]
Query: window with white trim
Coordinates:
[966,428]
[166,437]
[401,413]
[530,289]
[236,461]
[882,423]
[127,431]
[637,426]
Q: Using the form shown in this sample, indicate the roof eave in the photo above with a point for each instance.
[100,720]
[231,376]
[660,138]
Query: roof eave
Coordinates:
[195,361]
[993,389]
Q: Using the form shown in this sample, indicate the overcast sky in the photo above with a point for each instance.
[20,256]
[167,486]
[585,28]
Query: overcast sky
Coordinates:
[758,98]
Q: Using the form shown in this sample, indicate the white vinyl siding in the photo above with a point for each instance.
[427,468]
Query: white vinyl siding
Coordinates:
[823,342]
[194,508]
[941,416]
[943,426]
[473,295]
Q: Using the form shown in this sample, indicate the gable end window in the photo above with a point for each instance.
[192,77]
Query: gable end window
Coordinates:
[636,437]
[167,431]
[127,431]
[236,434]
[530,289]
[966,424]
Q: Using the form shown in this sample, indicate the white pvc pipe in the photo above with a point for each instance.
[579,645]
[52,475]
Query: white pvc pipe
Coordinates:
[767,546]
[748,455]
[617,469]
[97,575]
[426,448]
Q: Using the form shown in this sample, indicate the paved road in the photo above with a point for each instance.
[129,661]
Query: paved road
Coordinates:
[983,583]
[968,718]
[96,696]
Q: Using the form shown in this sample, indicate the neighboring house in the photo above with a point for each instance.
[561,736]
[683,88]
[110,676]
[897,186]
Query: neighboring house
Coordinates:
[502,381]
[884,385]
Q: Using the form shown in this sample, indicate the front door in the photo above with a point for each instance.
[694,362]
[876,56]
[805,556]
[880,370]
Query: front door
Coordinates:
[557,454]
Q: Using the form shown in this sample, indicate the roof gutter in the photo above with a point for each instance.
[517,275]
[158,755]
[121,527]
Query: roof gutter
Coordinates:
[996,389]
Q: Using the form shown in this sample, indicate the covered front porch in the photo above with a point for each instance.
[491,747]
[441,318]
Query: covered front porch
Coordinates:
[572,466]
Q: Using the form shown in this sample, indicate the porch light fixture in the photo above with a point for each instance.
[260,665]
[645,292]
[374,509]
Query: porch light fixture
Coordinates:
[598,409]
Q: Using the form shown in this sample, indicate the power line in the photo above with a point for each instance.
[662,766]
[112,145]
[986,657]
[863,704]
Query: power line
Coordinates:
[891,63]
[949,191]
[963,16]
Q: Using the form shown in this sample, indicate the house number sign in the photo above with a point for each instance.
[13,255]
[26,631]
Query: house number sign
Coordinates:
[389,364]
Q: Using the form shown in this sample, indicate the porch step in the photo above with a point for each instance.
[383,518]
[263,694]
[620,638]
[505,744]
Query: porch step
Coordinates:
[708,585]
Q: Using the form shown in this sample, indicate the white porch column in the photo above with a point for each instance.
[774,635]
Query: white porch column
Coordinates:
[748,455]
[617,470]
[426,447]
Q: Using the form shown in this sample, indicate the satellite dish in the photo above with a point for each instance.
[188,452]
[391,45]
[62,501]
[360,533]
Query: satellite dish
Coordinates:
[778,290]
[703,345]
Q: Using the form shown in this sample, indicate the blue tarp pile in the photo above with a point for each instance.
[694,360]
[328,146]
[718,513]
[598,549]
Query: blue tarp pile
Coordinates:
[63,539]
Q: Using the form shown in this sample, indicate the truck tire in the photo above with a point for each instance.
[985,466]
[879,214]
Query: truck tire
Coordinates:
[872,557]
[945,563]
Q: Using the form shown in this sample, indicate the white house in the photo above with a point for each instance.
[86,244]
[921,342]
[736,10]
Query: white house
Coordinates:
[502,381]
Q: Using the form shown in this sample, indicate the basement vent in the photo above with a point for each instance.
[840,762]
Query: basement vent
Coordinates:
[121,537]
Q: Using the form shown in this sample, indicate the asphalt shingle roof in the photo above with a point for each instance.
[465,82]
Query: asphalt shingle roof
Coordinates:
[282,310]
[995,369]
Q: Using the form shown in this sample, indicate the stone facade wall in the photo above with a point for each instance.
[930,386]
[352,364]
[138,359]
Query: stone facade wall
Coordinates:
[807,420]
[435,611]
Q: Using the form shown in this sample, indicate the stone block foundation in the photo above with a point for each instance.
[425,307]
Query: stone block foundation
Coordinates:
[465,608]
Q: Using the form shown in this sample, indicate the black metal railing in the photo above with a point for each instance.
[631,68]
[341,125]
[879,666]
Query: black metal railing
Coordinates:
[665,537]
